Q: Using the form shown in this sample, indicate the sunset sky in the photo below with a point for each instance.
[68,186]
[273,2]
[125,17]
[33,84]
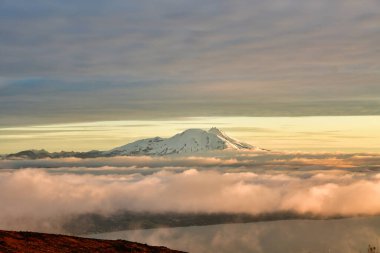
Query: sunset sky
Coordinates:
[281,74]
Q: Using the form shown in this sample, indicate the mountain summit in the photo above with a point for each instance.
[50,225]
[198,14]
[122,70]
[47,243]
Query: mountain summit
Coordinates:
[189,141]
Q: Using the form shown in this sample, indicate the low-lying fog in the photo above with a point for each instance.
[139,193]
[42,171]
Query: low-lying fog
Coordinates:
[295,236]
[43,195]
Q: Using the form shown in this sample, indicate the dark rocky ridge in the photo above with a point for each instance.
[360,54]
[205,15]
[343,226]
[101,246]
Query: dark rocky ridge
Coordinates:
[30,242]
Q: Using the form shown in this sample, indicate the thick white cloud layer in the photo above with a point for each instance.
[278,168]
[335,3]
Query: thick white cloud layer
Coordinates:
[318,184]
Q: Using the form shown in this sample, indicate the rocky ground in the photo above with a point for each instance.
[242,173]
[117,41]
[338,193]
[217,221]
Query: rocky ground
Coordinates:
[30,242]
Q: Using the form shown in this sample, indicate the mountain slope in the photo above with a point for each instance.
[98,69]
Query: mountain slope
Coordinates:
[12,242]
[189,141]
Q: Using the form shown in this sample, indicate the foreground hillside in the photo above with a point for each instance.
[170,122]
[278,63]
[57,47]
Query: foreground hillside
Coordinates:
[39,242]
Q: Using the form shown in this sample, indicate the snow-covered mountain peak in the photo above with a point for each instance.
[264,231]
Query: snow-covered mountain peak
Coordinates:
[216,131]
[193,132]
[186,143]
[189,141]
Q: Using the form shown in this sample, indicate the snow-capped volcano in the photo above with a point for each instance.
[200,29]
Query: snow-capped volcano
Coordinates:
[189,141]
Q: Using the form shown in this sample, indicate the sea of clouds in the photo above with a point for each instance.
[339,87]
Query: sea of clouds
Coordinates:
[43,194]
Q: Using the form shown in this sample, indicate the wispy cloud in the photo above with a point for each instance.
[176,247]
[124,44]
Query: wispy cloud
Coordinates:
[327,133]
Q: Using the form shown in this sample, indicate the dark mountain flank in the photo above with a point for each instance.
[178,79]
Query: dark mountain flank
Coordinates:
[30,242]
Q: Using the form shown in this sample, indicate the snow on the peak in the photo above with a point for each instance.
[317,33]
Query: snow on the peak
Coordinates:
[231,142]
[189,141]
